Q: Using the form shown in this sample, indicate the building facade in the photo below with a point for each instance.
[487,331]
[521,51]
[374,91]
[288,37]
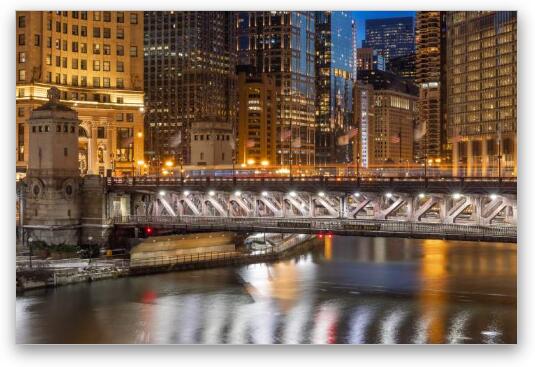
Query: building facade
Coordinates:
[335,75]
[281,44]
[370,59]
[257,124]
[190,61]
[392,37]
[94,58]
[430,136]
[481,92]
[385,114]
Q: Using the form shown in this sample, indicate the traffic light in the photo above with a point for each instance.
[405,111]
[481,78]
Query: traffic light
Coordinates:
[148,231]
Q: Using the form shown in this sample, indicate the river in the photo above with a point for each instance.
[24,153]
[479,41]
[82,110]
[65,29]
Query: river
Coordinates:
[347,290]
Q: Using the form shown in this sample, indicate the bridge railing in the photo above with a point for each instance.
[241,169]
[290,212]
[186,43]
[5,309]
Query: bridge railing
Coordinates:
[173,180]
[324,224]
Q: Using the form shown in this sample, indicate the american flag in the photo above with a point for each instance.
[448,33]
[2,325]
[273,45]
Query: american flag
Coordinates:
[457,139]
[286,134]
[176,140]
[395,139]
[343,140]
[250,143]
[297,143]
[352,133]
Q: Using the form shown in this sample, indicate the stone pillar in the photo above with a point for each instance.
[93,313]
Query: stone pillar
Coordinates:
[484,158]
[455,158]
[92,149]
[470,159]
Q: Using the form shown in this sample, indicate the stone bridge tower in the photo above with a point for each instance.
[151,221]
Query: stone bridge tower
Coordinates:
[52,213]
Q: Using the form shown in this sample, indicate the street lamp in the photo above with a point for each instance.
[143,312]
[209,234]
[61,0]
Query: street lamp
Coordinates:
[30,240]
[89,239]
[140,164]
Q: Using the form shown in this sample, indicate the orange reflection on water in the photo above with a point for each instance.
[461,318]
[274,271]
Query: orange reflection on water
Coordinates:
[433,277]
[284,284]
[328,248]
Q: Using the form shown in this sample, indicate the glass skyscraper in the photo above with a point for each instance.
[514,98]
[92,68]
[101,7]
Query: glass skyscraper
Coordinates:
[190,79]
[281,43]
[335,65]
[392,37]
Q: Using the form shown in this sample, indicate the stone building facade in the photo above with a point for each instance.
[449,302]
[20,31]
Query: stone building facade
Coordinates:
[95,59]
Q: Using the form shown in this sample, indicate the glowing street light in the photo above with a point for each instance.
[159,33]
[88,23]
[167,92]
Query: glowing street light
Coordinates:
[237,193]
[141,162]
[456,196]
[389,195]
[357,194]
[292,194]
[321,194]
[186,193]
[264,163]
[264,193]
[169,163]
[421,195]
[251,161]
[493,196]
[211,193]
[162,193]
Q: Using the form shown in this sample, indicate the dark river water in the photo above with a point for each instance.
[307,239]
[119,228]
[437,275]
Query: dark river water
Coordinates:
[344,290]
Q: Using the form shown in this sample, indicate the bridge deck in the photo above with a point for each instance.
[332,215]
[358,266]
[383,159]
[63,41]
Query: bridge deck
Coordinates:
[349,184]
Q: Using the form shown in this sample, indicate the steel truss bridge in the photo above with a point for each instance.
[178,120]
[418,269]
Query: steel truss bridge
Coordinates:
[476,209]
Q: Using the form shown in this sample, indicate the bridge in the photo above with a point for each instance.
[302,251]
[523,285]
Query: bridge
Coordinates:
[463,208]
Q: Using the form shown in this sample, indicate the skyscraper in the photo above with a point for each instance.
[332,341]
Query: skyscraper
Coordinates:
[190,82]
[257,129]
[94,59]
[392,37]
[481,91]
[370,59]
[430,139]
[385,112]
[281,44]
[334,67]
[404,66]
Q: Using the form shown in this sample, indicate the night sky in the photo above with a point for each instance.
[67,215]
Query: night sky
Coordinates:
[361,17]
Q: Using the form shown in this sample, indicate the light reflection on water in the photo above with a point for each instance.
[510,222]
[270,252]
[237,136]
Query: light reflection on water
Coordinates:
[345,290]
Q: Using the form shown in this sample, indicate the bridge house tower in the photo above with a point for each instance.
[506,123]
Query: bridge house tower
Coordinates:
[52,206]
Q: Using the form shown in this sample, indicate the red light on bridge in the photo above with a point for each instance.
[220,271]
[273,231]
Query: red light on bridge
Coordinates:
[320,236]
[148,231]
[330,235]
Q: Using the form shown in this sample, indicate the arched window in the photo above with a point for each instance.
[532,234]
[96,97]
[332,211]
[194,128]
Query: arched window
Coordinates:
[82,133]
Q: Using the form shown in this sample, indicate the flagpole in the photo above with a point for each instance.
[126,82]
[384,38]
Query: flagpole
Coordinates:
[399,136]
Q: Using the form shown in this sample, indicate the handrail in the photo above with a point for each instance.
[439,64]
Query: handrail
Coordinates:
[155,180]
[215,255]
[324,224]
